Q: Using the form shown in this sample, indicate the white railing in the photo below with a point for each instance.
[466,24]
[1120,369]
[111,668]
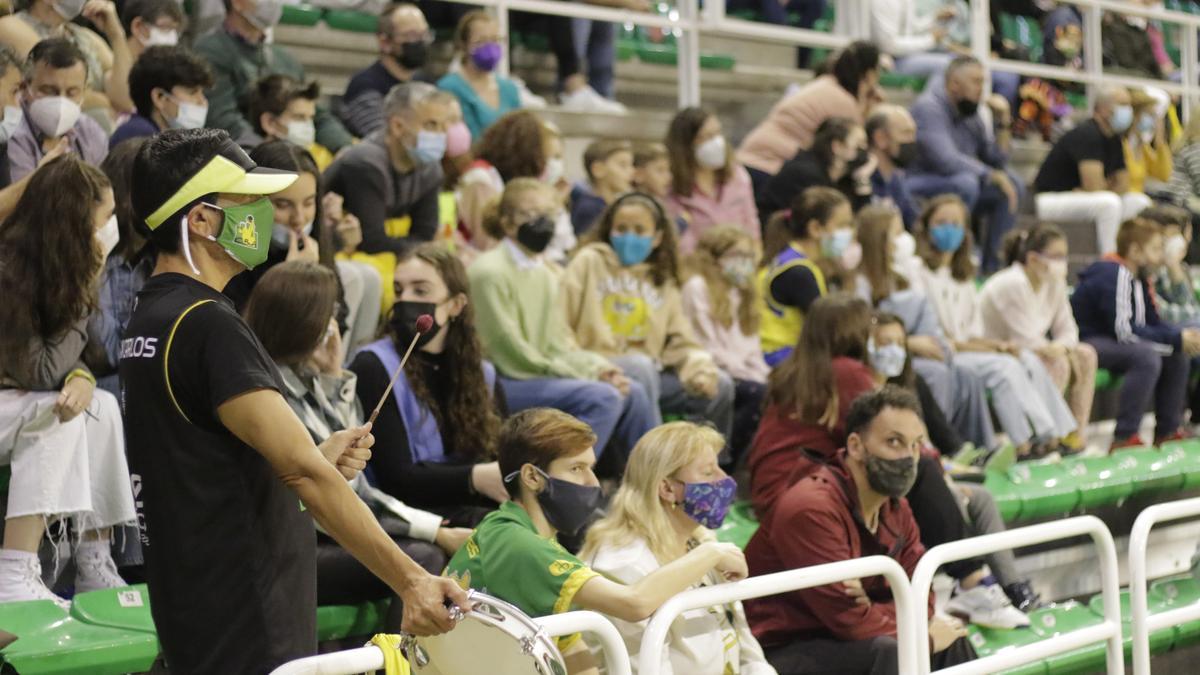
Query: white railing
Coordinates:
[688,23]
[1139,537]
[369,659]
[1109,630]
[650,654]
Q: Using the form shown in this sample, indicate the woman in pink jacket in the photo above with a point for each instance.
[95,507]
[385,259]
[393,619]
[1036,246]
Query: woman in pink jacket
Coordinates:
[847,91]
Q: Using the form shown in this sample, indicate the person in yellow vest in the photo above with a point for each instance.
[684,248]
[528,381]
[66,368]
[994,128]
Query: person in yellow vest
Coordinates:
[1147,144]
[819,225]
[280,107]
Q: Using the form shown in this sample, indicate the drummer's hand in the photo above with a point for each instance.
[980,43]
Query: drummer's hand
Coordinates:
[349,450]
[425,610]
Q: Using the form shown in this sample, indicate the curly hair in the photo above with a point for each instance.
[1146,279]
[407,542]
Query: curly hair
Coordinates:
[468,423]
[515,145]
[49,258]
[664,260]
[704,261]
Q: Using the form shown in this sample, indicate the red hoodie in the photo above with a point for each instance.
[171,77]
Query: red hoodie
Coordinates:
[780,444]
[817,521]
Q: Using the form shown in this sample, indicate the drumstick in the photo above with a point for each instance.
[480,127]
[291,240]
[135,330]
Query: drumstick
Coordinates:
[422,326]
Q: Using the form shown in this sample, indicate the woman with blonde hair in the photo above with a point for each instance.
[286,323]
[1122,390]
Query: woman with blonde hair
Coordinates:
[721,300]
[673,494]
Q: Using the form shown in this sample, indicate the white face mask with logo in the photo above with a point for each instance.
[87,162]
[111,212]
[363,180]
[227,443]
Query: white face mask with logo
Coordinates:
[54,116]
[108,235]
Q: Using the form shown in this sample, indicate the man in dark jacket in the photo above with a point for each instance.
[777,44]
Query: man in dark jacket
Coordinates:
[1117,314]
[849,508]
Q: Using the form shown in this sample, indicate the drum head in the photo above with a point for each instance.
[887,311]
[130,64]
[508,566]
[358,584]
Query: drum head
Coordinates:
[494,638]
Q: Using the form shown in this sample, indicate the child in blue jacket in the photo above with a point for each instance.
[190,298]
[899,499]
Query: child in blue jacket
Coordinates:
[1118,315]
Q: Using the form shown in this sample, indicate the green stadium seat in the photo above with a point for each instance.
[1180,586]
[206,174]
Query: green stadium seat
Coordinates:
[301,15]
[1024,31]
[1149,470]
[1006,494]
[1160,640]
[1062,618]
[357,22]
[1175,593]
[668,55]
[1105,379]
[1099,479]
[335,622]
[126,608]
[1186,455]
[989,641]
[897,81]
[1045,489]
[740,524]
[52,643]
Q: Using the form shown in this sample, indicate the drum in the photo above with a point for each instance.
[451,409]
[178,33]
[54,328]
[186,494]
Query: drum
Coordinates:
[495,637]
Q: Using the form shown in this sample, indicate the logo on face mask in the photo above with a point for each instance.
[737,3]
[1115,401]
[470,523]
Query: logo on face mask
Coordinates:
[245,234]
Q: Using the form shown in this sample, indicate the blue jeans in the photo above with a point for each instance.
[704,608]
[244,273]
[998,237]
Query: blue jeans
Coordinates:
[988,205]
[619,422]
[596,43]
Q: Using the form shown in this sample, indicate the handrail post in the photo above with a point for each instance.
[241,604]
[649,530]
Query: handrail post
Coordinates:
[688,53]
[655,635]
[502,24]
[1110,630]
[1093,52]
[1139,539]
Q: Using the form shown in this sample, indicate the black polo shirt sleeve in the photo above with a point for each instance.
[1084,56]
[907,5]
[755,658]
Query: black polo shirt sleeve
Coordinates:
[213,356]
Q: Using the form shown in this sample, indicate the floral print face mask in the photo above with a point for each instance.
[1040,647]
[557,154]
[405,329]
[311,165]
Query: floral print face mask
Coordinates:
[708,503]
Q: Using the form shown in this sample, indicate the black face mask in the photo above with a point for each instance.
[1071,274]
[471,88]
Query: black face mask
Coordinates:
[859,160]
[412,55]
[891,477]
[567,506]
[967,107]
[404,321]
[536,234]
[906,155]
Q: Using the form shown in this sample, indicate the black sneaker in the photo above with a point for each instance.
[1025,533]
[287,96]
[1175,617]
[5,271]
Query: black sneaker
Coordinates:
[1022,596]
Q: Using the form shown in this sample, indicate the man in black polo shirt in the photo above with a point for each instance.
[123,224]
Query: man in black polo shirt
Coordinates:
[213,446]
[1084,175]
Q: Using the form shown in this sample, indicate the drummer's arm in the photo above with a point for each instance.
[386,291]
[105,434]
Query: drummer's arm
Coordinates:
[637,601]
[265,422]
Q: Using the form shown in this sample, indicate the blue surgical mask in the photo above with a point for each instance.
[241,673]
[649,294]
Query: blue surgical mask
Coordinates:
[1122,118]
[947,237]
[431,146]
[834,244]
[1146,124]
[887,360]
[632,248]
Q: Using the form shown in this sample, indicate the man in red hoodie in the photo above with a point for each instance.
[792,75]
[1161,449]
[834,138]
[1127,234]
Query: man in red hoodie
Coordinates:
[849,508]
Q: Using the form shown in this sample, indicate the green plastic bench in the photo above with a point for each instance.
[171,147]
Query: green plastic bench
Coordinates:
[1045,489]
[301,15]
[355,22]
[335,622]
[989,641]
[1160,640]
[126,608]
[668,55]
[1006,494]
[50,642]
[1175,593]
[898,81]
[739,526]
[1150,471]
[1185,455]
[1066,617]
[1100,480]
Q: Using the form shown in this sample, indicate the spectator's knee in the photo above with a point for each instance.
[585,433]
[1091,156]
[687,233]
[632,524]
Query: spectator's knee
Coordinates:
[967,186]
[1147,359]
[1085,354]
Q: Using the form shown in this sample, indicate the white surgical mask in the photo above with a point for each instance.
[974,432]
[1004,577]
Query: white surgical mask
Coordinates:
[1057,269]
[68,9]
[53,116]
[189,116]
[554,171]
[301,132]
[108,235]
[1175,248]
[266,14]
[161,37]
[711,153]
[904,247]
[12,120]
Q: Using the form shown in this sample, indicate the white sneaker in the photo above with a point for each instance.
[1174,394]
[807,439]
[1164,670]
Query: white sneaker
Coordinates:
[21,580]
[588,100]
[986,605]
[95,569]
[528,98]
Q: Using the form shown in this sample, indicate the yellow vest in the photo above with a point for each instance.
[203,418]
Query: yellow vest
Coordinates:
[781,325]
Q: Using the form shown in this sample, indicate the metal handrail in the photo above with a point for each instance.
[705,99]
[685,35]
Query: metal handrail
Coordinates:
[370,658]
[655,635]
[1109,630]
[1139,538]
